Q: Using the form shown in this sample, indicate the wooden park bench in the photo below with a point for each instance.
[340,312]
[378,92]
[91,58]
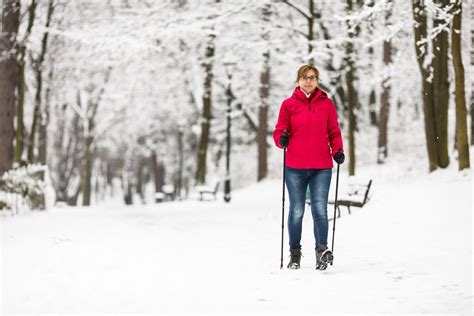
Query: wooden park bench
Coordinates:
[207,190]
[168,191]
[355,194]
[166,194]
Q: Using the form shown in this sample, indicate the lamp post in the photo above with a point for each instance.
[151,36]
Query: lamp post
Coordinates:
[181,125]
[229,65]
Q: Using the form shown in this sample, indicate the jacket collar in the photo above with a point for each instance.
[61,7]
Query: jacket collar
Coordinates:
[316,94]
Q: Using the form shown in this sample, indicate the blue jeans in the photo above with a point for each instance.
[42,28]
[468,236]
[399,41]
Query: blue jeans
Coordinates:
[297,181]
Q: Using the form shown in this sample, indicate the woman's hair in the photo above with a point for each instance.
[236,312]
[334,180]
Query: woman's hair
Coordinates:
[304,69]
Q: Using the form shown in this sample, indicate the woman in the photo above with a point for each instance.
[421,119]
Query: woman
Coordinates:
[307,126]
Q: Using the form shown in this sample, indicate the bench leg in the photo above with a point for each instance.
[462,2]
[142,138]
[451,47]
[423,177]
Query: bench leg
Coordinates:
[349,209]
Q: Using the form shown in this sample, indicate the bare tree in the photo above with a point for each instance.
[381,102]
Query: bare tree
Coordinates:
[385,100]
[462,143]
[310,16]
[472,81]
[66,146]
[350,78]
[20,130]
[422,51]
[435,84]
[441,85]
[264,103]
[8,80]
[89,124]
[158,171]
[38,118]
[206,109]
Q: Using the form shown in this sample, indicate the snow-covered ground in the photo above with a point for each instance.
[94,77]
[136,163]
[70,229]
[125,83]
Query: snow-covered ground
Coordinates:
[408,251]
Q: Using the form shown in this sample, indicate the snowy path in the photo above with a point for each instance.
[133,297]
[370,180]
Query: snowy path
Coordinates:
[396,255]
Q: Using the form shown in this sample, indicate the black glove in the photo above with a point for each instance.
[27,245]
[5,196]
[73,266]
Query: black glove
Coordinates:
[284,140]
[339,157]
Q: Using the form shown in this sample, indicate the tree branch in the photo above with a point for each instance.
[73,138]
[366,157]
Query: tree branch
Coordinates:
[307,16]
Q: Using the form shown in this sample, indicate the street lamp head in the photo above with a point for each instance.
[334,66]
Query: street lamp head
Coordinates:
[182,124]
[229,66]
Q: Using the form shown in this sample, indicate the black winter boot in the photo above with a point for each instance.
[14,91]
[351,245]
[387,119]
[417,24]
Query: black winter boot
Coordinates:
[324,257]
[295,258]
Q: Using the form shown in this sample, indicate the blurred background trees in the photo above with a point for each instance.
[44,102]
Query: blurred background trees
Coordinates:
[130,97]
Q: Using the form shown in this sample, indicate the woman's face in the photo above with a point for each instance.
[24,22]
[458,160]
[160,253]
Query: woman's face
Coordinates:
[308,82]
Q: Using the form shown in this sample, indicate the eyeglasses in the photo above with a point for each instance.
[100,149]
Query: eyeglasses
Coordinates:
[310,78]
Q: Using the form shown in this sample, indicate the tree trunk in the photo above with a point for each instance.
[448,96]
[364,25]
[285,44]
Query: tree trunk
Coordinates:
[88,157]
[58,140]
[89,151]
[110,178]
[372,108]
[127,189]
[74,156]
[157,169]
[351,95]
[69,157]
[263,127]
[472,81]
[441,89]
[385,101]
[472,113]
[262,142]
[383,124]
[206,112]
[350,109]
[310,31]
[419,14]
[89,138]
[36,118]
[43,129]
[87,171]
[8,80]
[20,126]
[180,164]
[97,186]
[372,96]
[72,201]
[20,130]
[264,101]
[462,143]
[44,116]
[140,179]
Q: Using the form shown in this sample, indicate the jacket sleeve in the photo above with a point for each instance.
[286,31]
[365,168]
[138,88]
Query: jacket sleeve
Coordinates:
[282,124]
[334,132]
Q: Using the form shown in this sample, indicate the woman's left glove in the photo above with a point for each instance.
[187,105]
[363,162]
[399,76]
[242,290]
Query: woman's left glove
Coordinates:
[284,140]
[339,157]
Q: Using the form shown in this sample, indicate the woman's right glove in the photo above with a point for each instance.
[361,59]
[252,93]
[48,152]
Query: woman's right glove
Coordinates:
[339,157]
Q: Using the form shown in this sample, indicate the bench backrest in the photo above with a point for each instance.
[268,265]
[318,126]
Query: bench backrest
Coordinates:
[367,192]
[355,192]
[358,192]
[216,186]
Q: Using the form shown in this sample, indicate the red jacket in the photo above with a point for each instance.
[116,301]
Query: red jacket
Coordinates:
[313,129]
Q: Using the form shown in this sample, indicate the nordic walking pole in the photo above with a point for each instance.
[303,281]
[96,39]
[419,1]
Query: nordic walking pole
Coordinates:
[283,208]
[334,217]
[283,204]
